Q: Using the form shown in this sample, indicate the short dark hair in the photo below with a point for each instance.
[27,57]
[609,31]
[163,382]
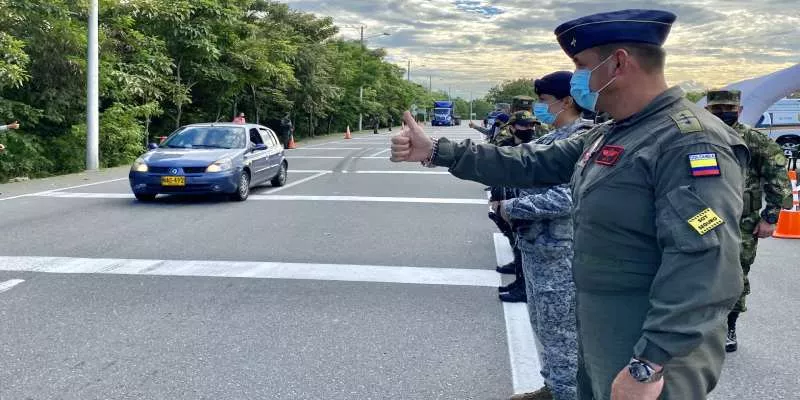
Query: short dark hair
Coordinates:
[651,57]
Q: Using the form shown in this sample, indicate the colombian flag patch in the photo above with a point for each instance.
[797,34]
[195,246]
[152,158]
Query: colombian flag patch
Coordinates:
[704,164]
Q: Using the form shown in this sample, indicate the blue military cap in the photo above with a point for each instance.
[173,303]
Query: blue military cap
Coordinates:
[503,118]
[625,26]
[555,84]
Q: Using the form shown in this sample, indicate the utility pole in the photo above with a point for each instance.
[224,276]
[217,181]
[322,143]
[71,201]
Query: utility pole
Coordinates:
[361,89]
[409,70]
[470,106]
[430,83]
[93,93]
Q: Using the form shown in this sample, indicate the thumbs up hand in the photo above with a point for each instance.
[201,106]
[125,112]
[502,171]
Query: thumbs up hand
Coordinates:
[411,144]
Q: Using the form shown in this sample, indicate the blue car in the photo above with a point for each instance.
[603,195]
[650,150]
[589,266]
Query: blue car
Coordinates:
[210,158]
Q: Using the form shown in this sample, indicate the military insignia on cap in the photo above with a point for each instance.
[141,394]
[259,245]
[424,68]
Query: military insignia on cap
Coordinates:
[574,42]
[704,164]
[687,122]
[705,221]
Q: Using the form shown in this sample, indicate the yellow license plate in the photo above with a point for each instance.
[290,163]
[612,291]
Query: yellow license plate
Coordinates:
[173,181]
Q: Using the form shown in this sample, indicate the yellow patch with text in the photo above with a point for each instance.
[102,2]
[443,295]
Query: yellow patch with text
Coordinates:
[705,221]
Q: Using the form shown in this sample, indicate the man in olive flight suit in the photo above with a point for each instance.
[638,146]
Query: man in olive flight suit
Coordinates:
[657,197]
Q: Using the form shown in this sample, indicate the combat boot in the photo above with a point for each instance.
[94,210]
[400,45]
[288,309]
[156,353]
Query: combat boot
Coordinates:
[542,394]
[515,295]
[511,286]
[731,344]
[509,268]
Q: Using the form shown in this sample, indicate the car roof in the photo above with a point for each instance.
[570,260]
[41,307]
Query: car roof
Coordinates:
[226,124]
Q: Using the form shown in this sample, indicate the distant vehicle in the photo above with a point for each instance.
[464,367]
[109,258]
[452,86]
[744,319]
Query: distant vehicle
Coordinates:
[443,113]
[210,158]
[782,123]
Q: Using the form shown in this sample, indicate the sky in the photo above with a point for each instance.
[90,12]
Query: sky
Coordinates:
[468,46]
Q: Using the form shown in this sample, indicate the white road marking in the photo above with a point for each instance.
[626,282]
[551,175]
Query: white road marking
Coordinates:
[64,188]
[270,197]
[7,285]
[77,195]
[367,199]
[329,148]
[295,183]
[401,172]
[522,345]
[265,270]
[309,171]
[380,152]
[293,157]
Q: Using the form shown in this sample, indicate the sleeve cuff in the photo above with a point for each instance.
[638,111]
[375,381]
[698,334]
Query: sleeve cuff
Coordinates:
[446,154]
[647,350]
[510,207]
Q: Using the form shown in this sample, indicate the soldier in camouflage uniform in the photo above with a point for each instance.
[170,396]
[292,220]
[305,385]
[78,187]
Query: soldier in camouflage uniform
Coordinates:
[542,217]
[766,177]
[522,128]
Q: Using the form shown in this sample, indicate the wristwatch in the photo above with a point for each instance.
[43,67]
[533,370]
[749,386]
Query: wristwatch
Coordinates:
[642,372]
[771,219]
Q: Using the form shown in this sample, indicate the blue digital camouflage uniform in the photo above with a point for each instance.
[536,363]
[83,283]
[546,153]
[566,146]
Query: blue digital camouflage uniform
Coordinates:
[542,215]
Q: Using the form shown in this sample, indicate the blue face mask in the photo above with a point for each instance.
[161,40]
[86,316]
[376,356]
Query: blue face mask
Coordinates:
[580,90]
[543,114]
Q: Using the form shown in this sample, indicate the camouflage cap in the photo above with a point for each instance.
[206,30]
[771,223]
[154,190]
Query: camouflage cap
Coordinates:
[727,97]
[522,102]
[522,118]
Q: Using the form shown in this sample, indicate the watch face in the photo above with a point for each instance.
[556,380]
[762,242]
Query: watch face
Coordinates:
[639,372]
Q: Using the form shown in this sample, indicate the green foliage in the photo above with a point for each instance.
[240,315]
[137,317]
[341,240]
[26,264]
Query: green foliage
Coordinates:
[504,92]
[694,97]
[164,64]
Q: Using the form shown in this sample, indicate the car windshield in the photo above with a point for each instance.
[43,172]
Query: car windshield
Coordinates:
[207,137]
[442,111]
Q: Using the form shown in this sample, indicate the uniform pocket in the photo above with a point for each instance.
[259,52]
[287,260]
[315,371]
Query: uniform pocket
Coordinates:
[692,224]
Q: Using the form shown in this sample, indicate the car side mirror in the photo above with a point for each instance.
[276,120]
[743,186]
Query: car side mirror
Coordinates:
[259,147]
[152,146]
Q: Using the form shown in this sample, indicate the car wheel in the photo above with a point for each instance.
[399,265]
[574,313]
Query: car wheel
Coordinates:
[145,197]
[243,191]
[280,179]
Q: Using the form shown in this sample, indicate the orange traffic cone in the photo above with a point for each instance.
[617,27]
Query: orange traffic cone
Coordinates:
[347,134]
[291,145]
[789,220]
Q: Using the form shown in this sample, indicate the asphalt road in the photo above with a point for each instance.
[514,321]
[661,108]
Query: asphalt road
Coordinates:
[361,279]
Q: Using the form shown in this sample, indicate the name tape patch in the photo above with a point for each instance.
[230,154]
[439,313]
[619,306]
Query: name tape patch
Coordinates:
[705,221]
[704,164]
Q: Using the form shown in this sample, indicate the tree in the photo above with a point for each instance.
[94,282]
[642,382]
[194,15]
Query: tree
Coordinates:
[694,97]
[504,92]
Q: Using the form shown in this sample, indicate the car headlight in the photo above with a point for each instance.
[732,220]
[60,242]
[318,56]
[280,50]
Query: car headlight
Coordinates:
[139,165]
[220,166]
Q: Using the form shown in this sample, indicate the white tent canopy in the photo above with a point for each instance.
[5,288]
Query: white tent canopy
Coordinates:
[759,94]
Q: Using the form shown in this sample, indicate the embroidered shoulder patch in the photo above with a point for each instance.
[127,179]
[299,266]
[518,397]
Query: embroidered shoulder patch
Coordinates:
[609,155]
[704,164]
[705,221]
[687,122]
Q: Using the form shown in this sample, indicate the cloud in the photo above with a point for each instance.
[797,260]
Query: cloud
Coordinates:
[471,45]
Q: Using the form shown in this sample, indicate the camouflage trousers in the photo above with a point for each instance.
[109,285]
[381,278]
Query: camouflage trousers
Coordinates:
[551,306]
[747,257]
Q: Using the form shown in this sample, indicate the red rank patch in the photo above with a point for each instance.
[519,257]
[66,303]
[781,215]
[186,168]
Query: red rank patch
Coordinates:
[609,155]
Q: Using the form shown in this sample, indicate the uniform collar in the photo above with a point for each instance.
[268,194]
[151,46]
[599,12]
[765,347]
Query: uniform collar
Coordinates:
[662,101]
